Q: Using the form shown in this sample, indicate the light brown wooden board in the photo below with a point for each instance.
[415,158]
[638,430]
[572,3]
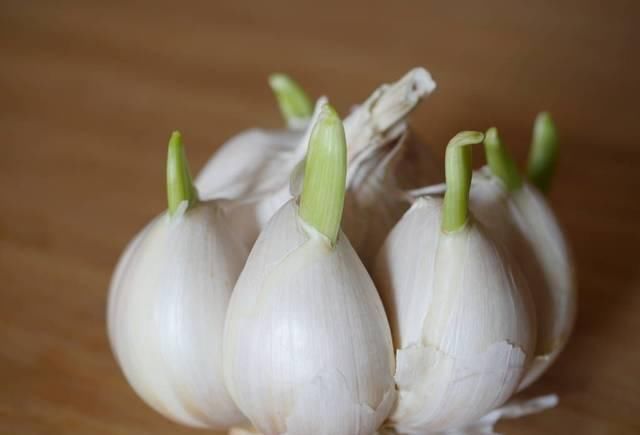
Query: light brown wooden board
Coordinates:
[90,91]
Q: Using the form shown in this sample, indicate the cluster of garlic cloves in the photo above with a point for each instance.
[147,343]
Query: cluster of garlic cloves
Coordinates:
[297,288]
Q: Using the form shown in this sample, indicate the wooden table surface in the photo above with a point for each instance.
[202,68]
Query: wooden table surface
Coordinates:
[91,90]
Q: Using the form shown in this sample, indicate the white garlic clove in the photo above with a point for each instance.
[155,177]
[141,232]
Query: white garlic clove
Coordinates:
[536,220]
[307,346]
[518,215]
[461,316]
[461,325]
[167,305]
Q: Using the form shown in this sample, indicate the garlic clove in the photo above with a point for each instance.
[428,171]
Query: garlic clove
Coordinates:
[167,305]
[305,328]
[519,217]
[525,225]
[462,320]
[536,219]
[307,347]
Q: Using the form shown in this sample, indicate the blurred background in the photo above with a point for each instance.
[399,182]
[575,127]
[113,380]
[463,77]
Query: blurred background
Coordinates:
[91,90]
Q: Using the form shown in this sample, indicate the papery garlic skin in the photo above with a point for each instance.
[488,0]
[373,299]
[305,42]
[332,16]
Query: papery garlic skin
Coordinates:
[374,203]
[524,223]
[307,347]
[377,118]
[463,327]
[166,312]
[379,140]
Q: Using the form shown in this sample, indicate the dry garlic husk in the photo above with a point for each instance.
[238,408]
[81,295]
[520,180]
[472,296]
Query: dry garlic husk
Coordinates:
[167,305]
[462,320]
[307,346]
[519,217]
[376,133]
[253,162]
[378,158]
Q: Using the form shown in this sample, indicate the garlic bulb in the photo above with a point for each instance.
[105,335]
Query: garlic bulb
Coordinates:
[518,216]
[307,347]
[376,133]
[461,316]
[167,305]
[251,163]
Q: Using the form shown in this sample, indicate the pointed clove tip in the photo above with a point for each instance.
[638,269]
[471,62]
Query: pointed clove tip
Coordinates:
[179,183]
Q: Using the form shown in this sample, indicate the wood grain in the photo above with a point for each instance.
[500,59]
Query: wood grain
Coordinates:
[91,90]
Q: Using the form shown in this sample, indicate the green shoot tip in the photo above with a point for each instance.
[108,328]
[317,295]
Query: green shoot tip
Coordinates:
[179,183]
[500,162]
[295,105]
[458,177]
[543,154]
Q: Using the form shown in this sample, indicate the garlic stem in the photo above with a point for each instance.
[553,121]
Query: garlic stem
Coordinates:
[294,103]
[179,184]
[458,176]
[500,162]
[543,153]
[323,188]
